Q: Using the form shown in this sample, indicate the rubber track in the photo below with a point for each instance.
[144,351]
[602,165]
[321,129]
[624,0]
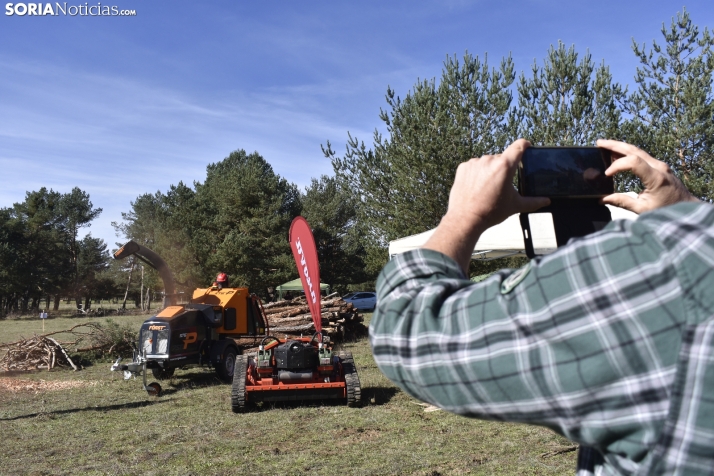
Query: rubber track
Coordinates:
[354,391]
[238,403]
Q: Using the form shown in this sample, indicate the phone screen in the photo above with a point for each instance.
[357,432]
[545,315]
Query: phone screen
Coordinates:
[565,172]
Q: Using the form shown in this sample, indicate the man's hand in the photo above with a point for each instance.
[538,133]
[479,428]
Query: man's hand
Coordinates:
[482,196]
[662,188]
[483,191]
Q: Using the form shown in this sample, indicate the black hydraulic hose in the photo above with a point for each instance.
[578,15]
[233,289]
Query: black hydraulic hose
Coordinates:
[262,342]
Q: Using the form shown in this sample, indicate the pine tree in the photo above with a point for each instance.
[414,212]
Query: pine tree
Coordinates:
[331,212]
[236,221]
[672,111]
[563,104]
[39,246]
[402,183]
[248,209]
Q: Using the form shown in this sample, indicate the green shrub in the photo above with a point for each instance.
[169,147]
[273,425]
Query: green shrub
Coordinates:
[112,340]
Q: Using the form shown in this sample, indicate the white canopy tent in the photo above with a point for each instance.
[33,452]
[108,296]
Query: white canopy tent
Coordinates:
[506,239]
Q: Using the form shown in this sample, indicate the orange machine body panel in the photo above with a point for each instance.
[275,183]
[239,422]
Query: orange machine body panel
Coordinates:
[170,311]
[236,298]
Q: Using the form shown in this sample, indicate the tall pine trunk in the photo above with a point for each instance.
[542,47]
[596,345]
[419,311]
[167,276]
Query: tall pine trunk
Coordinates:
[128,283]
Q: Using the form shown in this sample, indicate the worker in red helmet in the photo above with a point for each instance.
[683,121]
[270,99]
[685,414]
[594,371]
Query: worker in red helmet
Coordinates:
[222,280]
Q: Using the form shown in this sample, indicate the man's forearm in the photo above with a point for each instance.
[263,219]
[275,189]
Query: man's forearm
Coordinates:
[456,239]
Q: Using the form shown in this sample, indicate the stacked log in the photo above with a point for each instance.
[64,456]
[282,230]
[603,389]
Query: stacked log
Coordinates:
[340,320]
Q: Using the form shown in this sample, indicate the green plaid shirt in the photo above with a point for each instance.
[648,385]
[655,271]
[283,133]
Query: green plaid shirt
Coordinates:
[609,340]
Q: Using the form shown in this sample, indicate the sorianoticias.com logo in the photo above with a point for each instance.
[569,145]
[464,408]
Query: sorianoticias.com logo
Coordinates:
[63,9]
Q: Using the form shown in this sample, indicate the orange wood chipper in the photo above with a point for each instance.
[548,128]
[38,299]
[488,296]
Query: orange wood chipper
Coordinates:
[201,332]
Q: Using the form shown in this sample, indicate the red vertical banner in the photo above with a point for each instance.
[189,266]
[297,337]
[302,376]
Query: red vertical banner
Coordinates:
[305,252]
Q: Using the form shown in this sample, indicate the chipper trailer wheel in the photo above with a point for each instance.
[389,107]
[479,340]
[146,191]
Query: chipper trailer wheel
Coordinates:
[226,367]
[238,397]
[153,389]
[354,392]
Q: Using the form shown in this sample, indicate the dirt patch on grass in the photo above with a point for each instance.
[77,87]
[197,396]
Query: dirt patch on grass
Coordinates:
[37,386]
[348,436]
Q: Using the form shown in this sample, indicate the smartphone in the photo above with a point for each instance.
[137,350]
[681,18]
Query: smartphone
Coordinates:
[565,172]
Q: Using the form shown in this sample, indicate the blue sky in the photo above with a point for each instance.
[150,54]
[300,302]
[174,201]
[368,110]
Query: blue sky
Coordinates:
[124,105]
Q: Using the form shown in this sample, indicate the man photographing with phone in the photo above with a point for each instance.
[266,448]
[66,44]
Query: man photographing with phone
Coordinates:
[609,340]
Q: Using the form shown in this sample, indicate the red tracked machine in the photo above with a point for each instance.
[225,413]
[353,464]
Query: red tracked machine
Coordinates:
[297,369]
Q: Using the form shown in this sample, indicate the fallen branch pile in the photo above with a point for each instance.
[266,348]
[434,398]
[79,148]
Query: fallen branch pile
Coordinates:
[38,352]
[45,352]
[340,320]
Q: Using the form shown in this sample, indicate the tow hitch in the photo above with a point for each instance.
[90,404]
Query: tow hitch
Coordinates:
[137,367]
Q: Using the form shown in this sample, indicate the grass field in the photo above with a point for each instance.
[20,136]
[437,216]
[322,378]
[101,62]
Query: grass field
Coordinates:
[70,309]
[102,424]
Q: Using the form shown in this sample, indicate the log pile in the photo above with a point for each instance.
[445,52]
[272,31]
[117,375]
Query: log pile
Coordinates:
[340,321]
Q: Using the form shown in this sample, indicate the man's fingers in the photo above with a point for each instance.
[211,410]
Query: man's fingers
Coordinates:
[623,200]
[622,148]
[650,174]
[630,163]
[513,152]
[662,187]
[531,204]
[625,149]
